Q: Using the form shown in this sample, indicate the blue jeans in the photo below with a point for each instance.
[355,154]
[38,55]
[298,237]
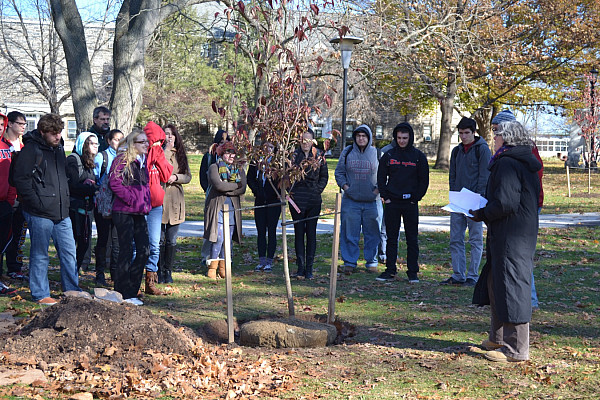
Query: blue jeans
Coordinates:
[40,232]
[355,215]
[382,233]
[154,221]
[458,226]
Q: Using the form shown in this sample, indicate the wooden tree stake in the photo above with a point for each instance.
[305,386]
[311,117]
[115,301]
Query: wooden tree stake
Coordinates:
[334,259]
[228,288]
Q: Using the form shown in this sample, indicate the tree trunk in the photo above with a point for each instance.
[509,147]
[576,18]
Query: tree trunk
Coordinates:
[483,116]
[136,21]
[69,26]
[447,109]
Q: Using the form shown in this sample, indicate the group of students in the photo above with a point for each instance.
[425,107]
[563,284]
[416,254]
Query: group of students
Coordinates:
[144,173]
[224,181]
[147,168]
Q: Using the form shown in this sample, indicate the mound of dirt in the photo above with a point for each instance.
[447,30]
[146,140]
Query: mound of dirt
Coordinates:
[111,350]
[103,331]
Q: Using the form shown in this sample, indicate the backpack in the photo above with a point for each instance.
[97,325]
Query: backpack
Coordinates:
[105,199]
[77,157]
[104,163]
[15,156]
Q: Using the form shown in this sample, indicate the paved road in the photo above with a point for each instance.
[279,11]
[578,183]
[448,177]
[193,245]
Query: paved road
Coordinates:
[426,224]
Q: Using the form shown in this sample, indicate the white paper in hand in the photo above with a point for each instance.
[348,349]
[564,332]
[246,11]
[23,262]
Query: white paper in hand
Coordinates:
[465,200]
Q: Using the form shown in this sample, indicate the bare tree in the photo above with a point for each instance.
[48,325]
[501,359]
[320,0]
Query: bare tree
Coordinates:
[135,23]
[34,55]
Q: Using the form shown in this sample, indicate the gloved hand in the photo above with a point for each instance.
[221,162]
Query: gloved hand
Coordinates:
[477,215]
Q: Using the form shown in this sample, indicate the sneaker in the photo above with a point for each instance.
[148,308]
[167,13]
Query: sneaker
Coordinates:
[309,277]
[17,275]
[386,276]
[135,301]
[268,268]
[259,268]
[413,280]
[451,281]
[6,291]
[470,282]
[372,270]
[47,301]
[348,270]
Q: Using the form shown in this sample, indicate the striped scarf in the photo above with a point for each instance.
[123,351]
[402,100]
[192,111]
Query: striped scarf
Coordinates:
[228,173]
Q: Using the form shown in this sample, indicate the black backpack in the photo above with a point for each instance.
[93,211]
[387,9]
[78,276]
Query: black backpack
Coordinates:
[15,156]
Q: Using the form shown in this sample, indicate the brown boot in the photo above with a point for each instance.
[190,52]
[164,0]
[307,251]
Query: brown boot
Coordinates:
[222,269]
[151,279]
[212,269]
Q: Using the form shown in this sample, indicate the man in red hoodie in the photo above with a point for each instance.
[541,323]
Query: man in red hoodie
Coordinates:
[159,170]
[8,195]
[14,251]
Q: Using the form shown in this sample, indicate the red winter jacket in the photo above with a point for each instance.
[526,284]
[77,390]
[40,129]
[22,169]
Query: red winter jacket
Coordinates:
[540,173]
[158,167]
[7,192]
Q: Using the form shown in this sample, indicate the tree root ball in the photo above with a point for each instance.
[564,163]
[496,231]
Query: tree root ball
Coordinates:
[285,333]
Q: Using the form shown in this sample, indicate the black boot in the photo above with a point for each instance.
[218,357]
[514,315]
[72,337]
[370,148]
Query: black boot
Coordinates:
[161,265]
[170,251]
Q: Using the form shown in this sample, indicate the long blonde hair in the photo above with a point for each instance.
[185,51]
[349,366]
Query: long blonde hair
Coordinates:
[128,151]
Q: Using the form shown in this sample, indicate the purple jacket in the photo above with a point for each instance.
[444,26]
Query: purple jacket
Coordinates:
[132,193]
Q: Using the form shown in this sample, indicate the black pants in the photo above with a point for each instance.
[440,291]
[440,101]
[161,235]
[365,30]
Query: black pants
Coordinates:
[82,232]
[14,250]
[305,257]
[410,215]
[106,232]
[266,223]
[168,235]
[6,214]
[129,274]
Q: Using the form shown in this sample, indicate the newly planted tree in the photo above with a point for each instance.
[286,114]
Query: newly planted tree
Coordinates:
[281,113]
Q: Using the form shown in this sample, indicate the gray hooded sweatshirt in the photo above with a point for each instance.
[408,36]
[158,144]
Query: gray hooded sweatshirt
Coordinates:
[358,169]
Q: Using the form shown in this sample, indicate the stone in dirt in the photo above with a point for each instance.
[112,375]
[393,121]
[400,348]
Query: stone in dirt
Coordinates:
[285,333]
[25,377]
[216,331]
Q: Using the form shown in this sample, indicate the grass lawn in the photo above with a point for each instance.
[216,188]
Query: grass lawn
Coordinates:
[410,341]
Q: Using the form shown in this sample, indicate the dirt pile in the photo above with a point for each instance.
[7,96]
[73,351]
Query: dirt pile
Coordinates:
[102,331]
[111,349]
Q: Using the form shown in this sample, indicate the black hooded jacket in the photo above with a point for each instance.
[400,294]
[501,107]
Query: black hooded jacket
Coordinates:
[40,178]
[403,174]
[209,158]
[512,221]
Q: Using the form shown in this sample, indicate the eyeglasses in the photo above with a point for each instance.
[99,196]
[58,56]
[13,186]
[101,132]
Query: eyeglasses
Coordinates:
[497,135]
[141,142]
[19,123]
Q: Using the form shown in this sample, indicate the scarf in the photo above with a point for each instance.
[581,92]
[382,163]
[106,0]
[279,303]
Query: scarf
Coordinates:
[228,173]
[501,150]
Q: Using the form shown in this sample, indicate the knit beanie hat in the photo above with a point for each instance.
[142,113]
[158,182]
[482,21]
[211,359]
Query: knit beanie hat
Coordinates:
[504,115]
[225,146]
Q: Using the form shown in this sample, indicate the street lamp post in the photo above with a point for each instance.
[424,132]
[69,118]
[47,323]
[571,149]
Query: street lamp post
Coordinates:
[346,46]
[593,77]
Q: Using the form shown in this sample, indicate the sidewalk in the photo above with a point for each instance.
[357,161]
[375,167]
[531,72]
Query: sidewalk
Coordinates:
[426,224]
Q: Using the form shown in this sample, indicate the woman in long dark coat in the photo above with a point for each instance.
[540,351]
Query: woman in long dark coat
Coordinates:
[511,217]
